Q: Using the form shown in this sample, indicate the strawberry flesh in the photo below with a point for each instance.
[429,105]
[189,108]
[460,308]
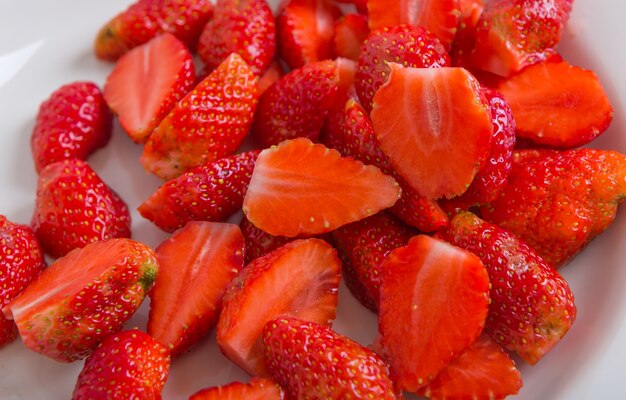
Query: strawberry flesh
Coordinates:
[256,389]
[350,32]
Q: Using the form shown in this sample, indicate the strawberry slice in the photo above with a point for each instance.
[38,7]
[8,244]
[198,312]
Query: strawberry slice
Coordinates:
[350,32]
[465,38]
[256,389]
[195,266]
[146,83]
[433,304]
[245,27]
[428,118]
[441,17]
[556,104]
[83,297]
[258,242]
[301,188]
[209,123]
[314,362]
[299,279]
[482,371]
[210,192]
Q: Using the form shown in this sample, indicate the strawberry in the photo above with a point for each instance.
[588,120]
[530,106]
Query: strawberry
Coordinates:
[83,297]
[300,188]
[441,17]
[482,371]
[245,27]
[256,389]
[210,122]
[361,5]
[556,104]
[75,207]
[532,307]
[147,82]
[314,362]
[426,118]
[297,104]
[195,265]
[433,304]
[557,202]
[72,123]
[465,38]
[272,74]
[21,260]
[299,279]
[258,242]
[210,192]
[146,19]
[127,365]
[350,32]
[411,46]
[362,247]
[304,30]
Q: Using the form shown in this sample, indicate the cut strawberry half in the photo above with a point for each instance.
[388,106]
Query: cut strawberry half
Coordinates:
[299,279]
[433,304]
[350,33]
[256,389]
[300,188]
[196,264]
[435,127]
[147,82]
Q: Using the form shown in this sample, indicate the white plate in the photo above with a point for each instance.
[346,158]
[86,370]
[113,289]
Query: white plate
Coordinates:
[44,44]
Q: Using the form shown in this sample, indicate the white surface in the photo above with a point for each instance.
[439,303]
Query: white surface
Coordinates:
[44,44]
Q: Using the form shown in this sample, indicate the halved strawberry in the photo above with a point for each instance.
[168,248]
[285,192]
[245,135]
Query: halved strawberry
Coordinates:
[210,122]
[195,265]
[440,17]
[557,104]
[256,389]
[147,82]
[314,362]
[433,304]
[210,192]
[272,74]
[350,32]
[245,27]
[428,118]
[83,297]
[258,242]
[301,188]
[465,38]
[299,279]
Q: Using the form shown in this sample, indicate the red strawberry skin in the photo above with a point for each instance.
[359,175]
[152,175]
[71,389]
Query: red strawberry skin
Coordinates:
[314,362]
[73,122]
[146,19]
[21,260]
[244,27]
[256,389]
[259,242]
[127,365]
[350,33]
[75,207]
[210,192]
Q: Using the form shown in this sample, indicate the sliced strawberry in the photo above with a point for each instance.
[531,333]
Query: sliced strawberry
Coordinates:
[556,104]
[245,27]
[305,31]
[272,74]
[297,104]
[433,304]
[361,5]
[301,188]
[195,266]
[482,371]
[83,297]
[362,247]
[441,17]
[146,19]
[256,389]
[411,46]
[299,279]
[258,242]
[350,32]
[210,192]
[147,82]
[532,307]
[429,118]
[209,123]
[314,362]
[465,39]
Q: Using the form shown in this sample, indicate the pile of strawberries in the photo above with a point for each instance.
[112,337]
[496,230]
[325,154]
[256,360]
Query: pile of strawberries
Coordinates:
[427,151]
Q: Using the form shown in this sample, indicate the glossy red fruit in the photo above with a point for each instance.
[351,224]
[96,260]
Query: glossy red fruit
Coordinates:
[272,74]
[210,192]
[465,39]
[73,122]
[258,242]
[83,297]
[147,82]
[75,207]
[127,365]
[256,389]
[351,31]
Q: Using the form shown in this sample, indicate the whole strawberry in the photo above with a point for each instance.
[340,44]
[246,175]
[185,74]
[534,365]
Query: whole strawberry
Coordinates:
[127,365]
[21,260]
[75,207]
[72,123]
